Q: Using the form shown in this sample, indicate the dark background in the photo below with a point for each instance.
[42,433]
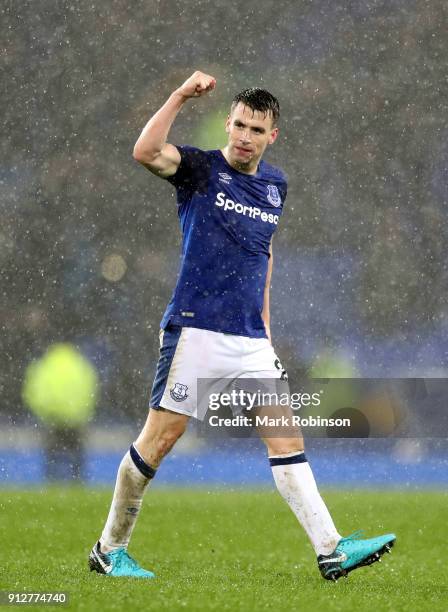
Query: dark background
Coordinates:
[89,240]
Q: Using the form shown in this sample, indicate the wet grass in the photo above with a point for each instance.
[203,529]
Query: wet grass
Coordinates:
[223,550]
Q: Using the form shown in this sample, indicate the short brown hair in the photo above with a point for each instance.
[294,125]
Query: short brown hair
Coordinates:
[258,100]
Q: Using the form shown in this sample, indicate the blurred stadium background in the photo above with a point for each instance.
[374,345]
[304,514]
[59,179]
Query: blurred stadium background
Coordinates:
[89,241]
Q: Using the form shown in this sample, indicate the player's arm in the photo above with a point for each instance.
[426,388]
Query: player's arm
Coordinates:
[151,148]
[265,313]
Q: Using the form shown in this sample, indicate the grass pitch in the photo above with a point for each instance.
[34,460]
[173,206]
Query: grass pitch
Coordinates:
[223,550]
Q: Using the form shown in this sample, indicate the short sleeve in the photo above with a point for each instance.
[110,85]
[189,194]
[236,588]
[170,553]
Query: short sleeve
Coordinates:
[283,188]
[193,171]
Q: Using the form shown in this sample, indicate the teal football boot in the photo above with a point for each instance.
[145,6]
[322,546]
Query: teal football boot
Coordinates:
[353,552]
[117,563]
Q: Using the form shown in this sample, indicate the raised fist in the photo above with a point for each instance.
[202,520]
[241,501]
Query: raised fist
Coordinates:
[197,85]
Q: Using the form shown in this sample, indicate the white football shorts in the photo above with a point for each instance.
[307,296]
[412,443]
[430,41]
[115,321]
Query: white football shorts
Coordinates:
[192,359]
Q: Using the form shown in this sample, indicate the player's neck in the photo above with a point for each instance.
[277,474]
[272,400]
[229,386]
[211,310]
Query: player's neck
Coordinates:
[250,168]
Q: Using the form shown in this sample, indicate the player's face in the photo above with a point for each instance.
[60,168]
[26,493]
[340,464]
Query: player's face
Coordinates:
[250,132]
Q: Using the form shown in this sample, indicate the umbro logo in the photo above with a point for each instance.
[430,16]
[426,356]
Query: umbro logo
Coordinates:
[224,177]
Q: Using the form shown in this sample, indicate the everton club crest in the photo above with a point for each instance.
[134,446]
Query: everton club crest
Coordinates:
[179,392]
[274,196]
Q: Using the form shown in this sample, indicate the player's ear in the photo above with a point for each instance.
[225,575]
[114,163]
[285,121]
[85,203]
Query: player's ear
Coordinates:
[273,136]
[228,124]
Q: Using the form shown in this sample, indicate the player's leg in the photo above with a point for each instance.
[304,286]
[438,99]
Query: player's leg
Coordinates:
[291,471]
[139,465]
[336,556]
[296,484]
[173,398]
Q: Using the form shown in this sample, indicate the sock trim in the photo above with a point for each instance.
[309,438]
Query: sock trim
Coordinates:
[140,463]
[289,460]
[293,454]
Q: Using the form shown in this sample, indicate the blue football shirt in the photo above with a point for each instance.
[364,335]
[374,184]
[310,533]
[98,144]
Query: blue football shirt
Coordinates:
[227,220]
